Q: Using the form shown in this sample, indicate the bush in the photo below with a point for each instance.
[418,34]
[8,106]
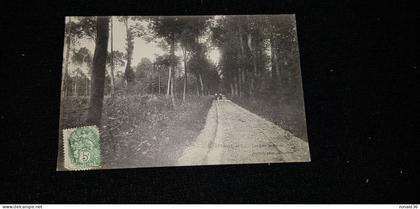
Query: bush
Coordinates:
[141,130]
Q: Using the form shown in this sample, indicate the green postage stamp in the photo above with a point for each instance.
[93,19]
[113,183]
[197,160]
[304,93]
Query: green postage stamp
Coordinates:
[82,149]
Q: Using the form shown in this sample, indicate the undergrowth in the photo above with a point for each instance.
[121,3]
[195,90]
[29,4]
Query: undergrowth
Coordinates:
[141,130]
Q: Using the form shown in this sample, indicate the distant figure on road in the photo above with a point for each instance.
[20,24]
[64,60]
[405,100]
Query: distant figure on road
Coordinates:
[220,96]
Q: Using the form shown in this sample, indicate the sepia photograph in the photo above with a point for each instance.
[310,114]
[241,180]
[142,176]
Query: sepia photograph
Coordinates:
[159,91]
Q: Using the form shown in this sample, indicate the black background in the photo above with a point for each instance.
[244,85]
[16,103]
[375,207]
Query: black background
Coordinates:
[360,77]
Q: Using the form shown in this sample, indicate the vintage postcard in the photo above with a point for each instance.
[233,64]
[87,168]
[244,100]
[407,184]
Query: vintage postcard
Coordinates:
[154,91]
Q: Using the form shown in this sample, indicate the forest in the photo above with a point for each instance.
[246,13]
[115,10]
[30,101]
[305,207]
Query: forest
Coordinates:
[149,105]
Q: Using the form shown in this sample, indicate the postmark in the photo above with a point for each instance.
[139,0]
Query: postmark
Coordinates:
[82,148]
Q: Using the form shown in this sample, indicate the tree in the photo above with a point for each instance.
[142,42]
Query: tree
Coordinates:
[85,27]
[68,35]
[129,73]
[112,58]
[83,59]
[133,30]
[144,75]
[199,64]
[260,56]
[255,36]
[144,68]
[170,29]
[244,42]
[161,64]
[76,28]
[185,59]
[98,71]
[189,39]
[226,36]
[284,53]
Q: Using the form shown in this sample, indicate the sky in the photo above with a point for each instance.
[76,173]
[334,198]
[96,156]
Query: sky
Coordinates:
[142,49]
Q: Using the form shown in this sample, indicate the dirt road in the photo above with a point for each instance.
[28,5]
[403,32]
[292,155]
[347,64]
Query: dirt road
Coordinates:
[233,135]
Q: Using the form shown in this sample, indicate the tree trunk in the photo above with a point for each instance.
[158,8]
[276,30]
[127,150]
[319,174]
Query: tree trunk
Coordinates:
[168,87]
[172,91]
[152,83]
[66,63]
[198,87]
[237,91]
[112,60]
[129,74]
[241,81]
[75,86]
[253,76]
[232,92]
[159,81]
[238,81]
[98,71]
[185,74]
[201,85]
[273,58]
[86,86]
[173,81]
[172,69]
[275,74]
[276,61]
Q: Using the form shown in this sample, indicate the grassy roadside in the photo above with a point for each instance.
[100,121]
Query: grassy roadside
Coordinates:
[288,116]
[142,130]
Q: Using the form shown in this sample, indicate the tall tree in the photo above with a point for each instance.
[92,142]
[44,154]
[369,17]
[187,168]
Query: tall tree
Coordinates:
[172,67]
[226,35]
[282,35]
[144,68]
[112,59]
[193,29]
[169,29]
[67,57]
[256,30]
[83,59]
[133,30]
[76,28]
[161,63]
[129,73]
[199,65]
[144,75]
[185,59]
[98,71]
